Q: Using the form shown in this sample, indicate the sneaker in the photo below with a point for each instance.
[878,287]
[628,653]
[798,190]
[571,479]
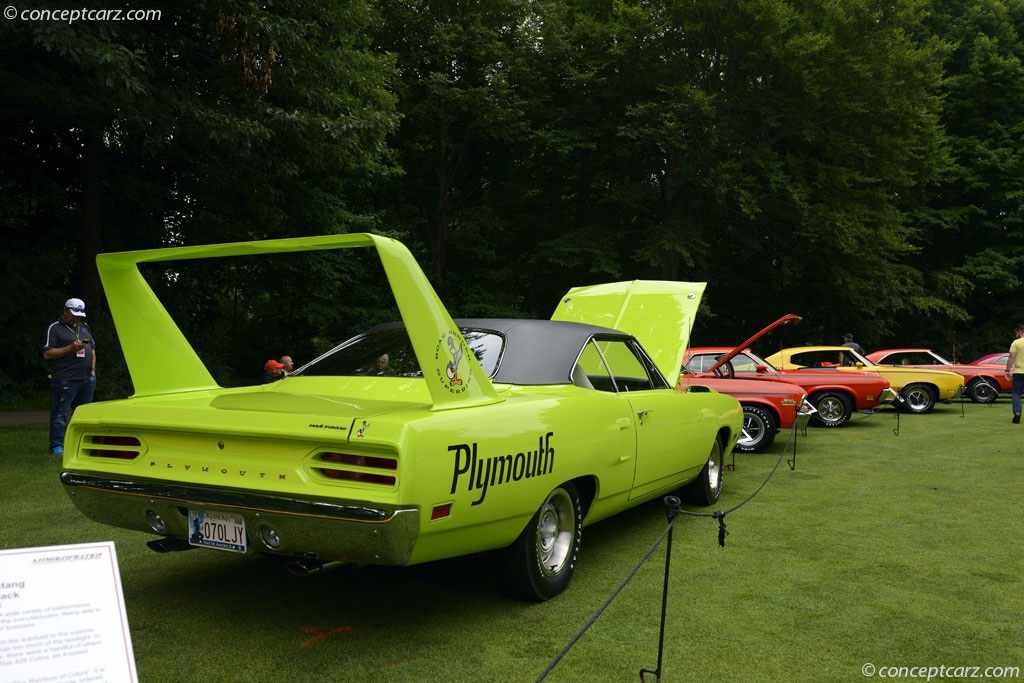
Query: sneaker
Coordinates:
[1016,419]
[59,450]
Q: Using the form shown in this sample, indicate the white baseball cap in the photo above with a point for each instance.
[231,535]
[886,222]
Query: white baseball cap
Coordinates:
[76,306]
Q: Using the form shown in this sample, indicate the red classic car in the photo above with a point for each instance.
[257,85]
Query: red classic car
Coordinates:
[984,382]
[991,359]
[768,407]
[834,396]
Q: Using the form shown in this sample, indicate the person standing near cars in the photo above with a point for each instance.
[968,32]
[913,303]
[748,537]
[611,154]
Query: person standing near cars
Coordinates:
[848,341]
[1015,370]
[70,348]
[845,358]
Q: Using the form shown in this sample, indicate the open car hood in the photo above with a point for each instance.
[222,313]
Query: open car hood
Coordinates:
[659,313]
[784,320]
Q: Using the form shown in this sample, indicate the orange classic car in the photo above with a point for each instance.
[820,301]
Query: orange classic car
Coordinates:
[984,382]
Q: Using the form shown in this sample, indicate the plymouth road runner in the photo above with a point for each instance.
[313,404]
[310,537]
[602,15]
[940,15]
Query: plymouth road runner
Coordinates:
[486,435]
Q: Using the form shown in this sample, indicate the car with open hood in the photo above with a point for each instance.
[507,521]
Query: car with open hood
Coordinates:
[920,389]
[769,408]
[489,435]
[833,398]
[984,383]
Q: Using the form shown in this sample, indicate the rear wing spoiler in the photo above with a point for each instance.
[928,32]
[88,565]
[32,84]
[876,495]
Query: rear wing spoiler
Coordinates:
[161,360]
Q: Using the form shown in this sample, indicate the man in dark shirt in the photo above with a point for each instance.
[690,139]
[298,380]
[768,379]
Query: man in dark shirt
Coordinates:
[70,349]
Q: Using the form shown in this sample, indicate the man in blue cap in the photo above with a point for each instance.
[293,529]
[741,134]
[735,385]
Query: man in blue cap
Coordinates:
[71,351]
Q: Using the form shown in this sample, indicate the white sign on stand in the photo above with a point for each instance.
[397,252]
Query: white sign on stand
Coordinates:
[62,616]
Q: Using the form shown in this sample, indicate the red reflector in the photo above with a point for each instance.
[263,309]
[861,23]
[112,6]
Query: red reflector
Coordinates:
[367,477]
[441,511]
[116,441]
[360,460]
[123,447]
[124,455]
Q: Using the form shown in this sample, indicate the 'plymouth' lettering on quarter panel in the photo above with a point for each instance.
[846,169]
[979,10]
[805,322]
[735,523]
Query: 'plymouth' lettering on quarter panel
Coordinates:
[482,473]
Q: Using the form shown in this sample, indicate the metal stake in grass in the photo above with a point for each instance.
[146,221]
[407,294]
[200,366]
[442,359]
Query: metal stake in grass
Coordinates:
[672,504]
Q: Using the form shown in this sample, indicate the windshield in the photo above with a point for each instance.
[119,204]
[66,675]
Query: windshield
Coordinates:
[748,362]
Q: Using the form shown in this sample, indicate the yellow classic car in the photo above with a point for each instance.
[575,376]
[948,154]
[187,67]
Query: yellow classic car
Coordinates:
[920,388]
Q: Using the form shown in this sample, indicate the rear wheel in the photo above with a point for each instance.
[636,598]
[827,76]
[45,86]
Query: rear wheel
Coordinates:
[759,427]
[917,398]
[983,390]
[540,563]
[833,408]
[705,489]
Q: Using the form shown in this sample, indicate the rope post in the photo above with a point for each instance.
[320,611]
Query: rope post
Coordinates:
[792,461]
[672,509]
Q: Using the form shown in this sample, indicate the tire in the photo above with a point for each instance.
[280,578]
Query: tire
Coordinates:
[917,398]
[705,489]
[983,390]
[834,409]
[540,563]
[759,428]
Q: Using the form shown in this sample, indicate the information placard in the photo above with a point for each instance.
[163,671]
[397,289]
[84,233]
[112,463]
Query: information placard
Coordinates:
[62,616]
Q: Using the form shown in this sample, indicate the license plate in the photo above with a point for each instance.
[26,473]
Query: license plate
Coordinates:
[221,530]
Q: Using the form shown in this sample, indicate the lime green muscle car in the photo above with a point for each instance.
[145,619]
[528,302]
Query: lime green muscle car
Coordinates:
[482,435]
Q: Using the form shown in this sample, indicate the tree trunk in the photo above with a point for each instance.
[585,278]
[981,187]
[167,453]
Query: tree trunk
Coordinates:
[91,236]
[439,232]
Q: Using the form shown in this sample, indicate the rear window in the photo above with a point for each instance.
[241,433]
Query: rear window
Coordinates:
[389,352]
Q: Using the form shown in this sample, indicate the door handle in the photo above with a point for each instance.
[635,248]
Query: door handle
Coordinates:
[641,414]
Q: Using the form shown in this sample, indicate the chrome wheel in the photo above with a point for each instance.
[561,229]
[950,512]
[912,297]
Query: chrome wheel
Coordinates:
[540,563]
[833,409]
[918,398]
[556,531]
[758,430]
[982,390]
[707,487]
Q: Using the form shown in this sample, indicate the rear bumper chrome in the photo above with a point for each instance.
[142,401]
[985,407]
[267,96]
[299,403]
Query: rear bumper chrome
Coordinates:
[328,530]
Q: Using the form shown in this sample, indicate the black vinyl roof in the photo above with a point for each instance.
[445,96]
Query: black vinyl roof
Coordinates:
[538,351]
[534,351]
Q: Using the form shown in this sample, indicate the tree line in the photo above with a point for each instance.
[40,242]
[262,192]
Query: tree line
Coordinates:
[856,163]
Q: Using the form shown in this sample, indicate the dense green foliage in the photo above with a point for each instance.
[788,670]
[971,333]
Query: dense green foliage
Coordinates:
[856,163]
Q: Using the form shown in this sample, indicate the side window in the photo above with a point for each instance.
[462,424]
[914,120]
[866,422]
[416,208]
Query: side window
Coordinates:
[612,365]
[744,363]
[700,363]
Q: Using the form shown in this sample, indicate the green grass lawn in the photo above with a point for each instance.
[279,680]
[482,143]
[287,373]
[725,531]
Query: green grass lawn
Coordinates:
[883,549]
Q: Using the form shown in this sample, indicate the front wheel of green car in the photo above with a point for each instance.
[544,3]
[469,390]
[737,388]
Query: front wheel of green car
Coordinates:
[540,563]
[705,489]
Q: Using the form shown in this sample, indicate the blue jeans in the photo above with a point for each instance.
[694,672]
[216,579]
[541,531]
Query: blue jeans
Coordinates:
[1018,389]
[68,394]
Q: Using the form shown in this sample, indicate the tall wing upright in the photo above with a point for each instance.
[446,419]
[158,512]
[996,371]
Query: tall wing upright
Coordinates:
[161,360]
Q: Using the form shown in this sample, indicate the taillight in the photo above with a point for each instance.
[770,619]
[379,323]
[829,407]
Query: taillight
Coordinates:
[109,446]
[359,468]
